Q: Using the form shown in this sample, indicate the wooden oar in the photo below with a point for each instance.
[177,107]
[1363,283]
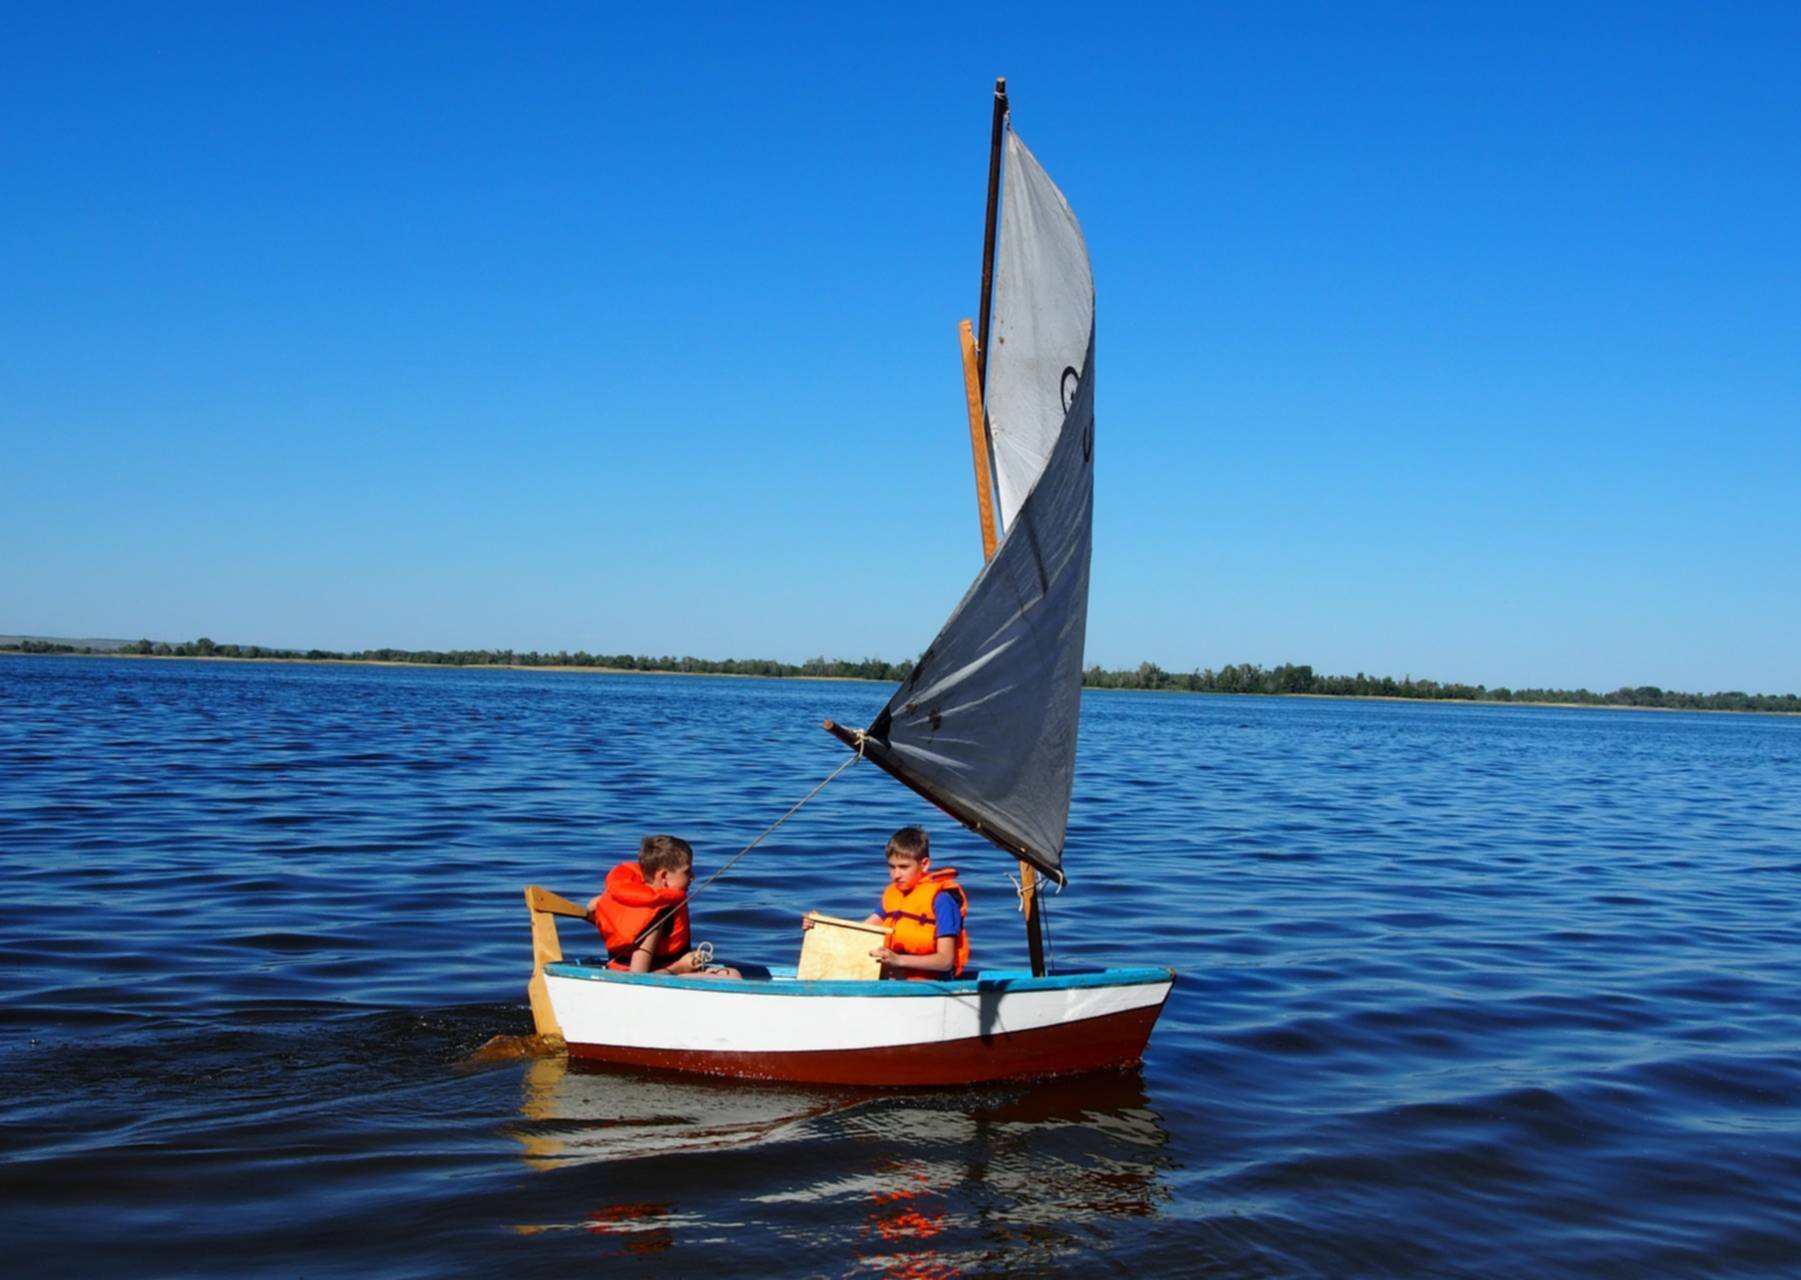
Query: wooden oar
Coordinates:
[545,906]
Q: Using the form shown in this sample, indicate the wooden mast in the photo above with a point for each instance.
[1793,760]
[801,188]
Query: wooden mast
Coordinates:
[978,440]
[975,388]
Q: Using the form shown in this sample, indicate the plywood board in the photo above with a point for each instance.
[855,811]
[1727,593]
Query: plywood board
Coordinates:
[838,950]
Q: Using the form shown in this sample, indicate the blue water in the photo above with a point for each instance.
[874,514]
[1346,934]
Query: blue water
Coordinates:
[1465,991]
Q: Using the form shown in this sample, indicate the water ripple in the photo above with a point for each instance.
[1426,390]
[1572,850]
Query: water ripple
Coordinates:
[1465,990]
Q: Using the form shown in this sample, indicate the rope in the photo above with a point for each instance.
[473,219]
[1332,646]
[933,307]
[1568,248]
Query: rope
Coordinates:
[1019,890]
[664,918]
[1044,918]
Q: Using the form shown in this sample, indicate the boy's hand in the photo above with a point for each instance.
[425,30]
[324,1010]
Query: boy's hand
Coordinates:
[806,922]
[884,955]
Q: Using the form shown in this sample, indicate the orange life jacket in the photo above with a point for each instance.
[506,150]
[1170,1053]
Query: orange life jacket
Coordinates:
[627,908]
[912,926]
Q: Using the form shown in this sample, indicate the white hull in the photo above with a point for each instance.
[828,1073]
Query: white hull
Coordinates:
[994,1026]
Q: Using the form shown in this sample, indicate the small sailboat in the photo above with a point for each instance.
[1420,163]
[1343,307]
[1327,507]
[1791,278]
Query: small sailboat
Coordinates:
[984,728]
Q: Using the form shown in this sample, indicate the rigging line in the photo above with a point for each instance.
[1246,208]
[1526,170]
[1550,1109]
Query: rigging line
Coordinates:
[663,919]
[1022,893]
[1044,919]
[1019,890]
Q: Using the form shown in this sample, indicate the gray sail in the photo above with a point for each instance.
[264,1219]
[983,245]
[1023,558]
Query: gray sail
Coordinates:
[986,725]
[1043,325]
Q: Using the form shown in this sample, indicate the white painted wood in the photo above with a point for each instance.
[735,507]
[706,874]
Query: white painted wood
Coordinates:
[704,1017]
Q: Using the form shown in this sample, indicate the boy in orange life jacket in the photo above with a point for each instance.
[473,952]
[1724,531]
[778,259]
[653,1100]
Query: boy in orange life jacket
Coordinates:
[643,912]
[923,911]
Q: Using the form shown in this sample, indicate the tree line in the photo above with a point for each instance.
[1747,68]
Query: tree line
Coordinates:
[840,668]
[1244,677]
[1290,678]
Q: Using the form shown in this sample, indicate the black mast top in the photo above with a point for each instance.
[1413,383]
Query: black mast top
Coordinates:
[994,193]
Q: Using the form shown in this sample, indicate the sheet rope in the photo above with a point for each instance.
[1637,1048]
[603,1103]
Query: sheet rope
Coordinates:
[663,919]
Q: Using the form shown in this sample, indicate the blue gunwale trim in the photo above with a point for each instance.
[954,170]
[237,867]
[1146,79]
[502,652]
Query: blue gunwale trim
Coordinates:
[782,982]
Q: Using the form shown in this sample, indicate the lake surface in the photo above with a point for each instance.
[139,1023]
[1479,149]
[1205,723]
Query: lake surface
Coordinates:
[1465,990]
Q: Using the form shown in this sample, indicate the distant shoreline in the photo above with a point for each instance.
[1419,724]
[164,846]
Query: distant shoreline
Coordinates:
[569,667]
[591,669]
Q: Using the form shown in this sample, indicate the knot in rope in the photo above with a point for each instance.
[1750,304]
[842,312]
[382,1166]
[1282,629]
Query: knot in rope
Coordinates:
[1019,889]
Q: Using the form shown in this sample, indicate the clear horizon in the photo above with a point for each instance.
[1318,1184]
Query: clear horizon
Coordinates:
[1458,344]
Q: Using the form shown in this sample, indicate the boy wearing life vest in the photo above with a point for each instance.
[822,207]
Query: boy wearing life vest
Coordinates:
[923,911]
[642,913]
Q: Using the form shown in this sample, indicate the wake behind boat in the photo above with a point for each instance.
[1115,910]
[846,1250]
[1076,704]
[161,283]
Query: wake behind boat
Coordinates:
[984,728]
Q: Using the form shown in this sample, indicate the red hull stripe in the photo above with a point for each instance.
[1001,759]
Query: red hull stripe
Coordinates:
[1092,1044]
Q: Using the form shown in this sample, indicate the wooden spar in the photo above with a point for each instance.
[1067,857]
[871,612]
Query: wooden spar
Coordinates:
[978,440]
[976,385]
[545,907]
[994,195]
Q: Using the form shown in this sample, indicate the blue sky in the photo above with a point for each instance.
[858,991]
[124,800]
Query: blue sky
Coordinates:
[1433,340]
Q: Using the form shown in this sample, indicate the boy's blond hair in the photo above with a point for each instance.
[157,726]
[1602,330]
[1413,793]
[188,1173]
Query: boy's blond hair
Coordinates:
[911,843]
[664,853]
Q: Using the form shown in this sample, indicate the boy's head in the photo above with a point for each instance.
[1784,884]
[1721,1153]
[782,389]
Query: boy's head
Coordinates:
[666,861]
[909,857]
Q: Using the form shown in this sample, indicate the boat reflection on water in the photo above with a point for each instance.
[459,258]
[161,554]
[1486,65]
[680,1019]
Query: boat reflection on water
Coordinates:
[641,1228]
[911,1185]
[1026,1174]
[899,1233]
[576,1114]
